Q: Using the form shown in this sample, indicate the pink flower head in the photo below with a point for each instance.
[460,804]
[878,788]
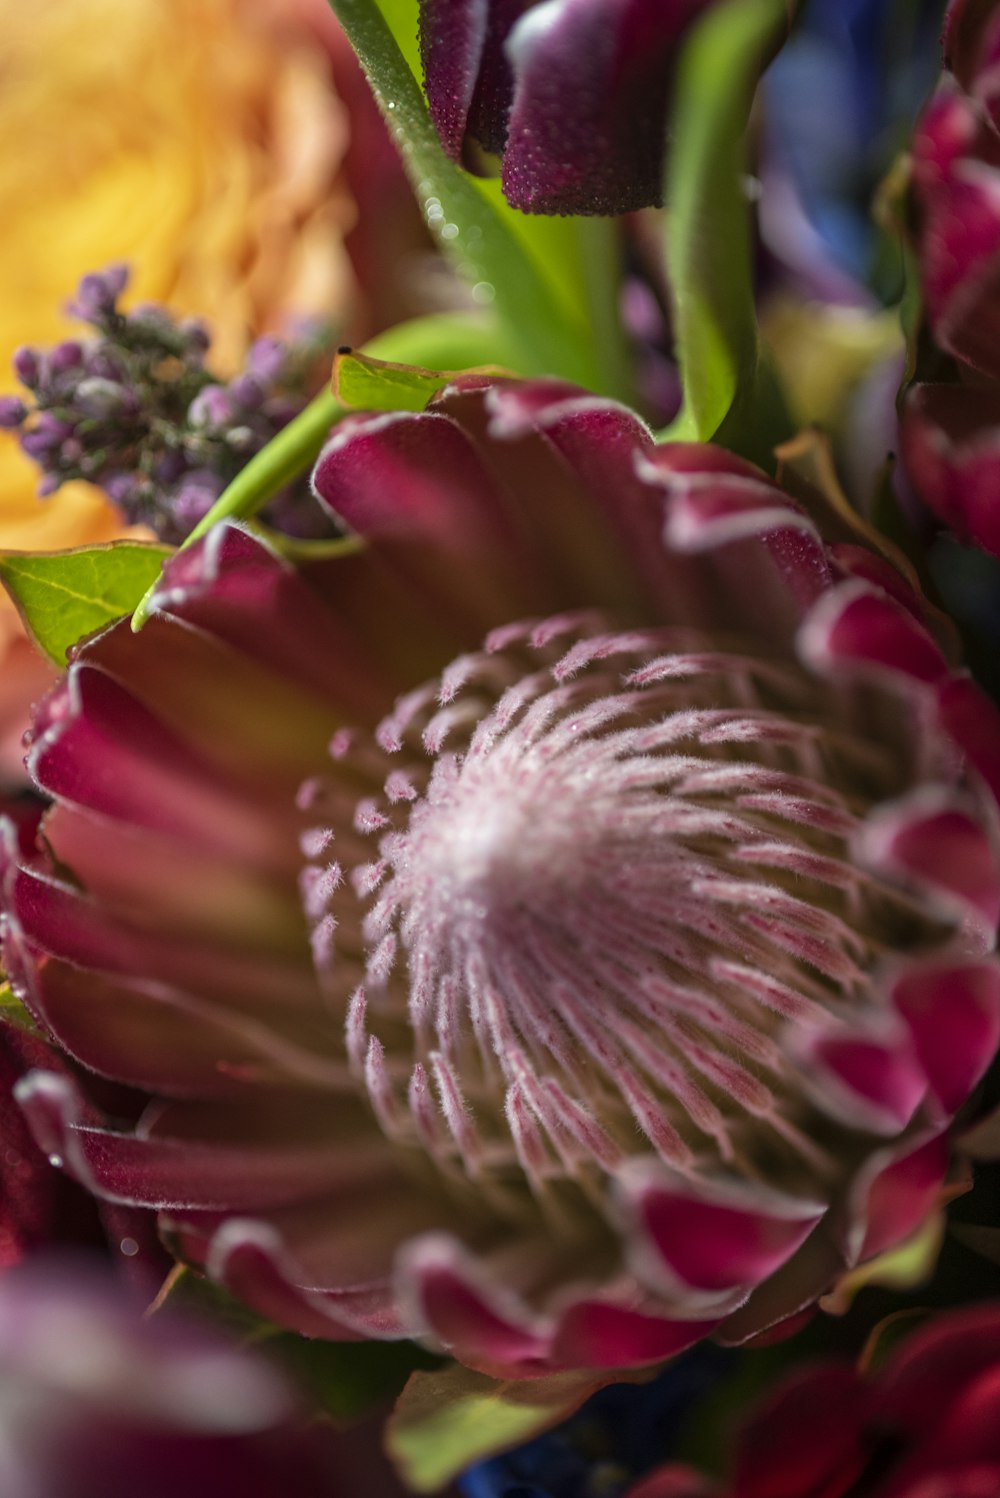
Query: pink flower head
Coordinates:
[950,444]
[956,185]
[555,931]
[572,94]
[926,1425]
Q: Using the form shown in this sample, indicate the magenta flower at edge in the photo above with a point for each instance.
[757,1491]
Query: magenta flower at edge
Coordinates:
[97,1402]
[926,1424]
[571,94]
[648,892]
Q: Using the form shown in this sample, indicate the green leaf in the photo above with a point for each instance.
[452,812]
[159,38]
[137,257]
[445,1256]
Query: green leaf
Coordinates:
[552,282]
[723,377]
[346,1379]
[62,596]
[380,385]
[445,1420]
[13,1012]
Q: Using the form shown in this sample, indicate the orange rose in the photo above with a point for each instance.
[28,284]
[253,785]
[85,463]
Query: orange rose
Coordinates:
[198,140]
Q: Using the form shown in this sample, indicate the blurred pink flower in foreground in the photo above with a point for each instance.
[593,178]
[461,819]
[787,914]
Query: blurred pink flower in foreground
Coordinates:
[650,880]
[97,1403]
[925,1425]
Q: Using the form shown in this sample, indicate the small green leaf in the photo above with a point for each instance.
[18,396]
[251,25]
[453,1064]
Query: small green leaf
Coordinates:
[707,228]
[378,385]
[346,1379]
[62,596]
[445,1420]
[13,1012]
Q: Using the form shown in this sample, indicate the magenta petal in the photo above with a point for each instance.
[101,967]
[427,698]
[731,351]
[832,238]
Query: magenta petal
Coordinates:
[600,1334]
[589,118]
[105,751]
[238,590]
[809,1439]
[897,1196]
[954,1017]
[480,1324]
[452,38]
[249,1259]
[960,262]
[940,1356]
[726,1241]
[162,1173]
[973,721]
[675,1481]
[59,919]
[854,626]
[950,439]
[940,846]
[868,1082]
[418,479]
[467,74]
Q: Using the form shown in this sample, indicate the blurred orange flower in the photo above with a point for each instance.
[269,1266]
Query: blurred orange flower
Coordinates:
[199,140]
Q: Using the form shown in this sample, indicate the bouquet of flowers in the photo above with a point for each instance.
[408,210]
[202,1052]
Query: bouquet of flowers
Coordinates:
[499,891]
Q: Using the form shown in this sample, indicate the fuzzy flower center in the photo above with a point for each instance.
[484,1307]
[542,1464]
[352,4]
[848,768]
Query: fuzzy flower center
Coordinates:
[601,880]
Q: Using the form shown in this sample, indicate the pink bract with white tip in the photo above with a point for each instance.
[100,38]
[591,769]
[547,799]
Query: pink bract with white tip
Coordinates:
[557,931]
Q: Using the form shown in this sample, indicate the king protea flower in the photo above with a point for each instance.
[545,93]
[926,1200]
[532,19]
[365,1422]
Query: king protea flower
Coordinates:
[556,930]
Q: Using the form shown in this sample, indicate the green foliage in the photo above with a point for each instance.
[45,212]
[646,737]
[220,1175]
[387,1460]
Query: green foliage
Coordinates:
[346,1379]
[707,246]
[448,1419]
[13,1012]
[380,385]
[62,596]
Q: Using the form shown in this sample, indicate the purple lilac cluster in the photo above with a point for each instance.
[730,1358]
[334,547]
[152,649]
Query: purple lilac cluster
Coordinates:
[137,411]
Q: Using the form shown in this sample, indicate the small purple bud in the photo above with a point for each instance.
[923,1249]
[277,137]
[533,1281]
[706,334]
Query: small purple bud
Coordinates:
[195,498]
[65,355]
[45,437]
[102,363]
[211,407]
[170,467]
[266,359]
[27,367]
[48,485]
[100,398]
[120,488]
[196,335]
[12,412]
[246,392]
[71,452]
[151,317]
[98,292]
[242,439]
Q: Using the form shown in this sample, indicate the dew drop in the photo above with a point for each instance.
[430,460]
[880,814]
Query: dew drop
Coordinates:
[129,1247]
[483,292]
[57,1161]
